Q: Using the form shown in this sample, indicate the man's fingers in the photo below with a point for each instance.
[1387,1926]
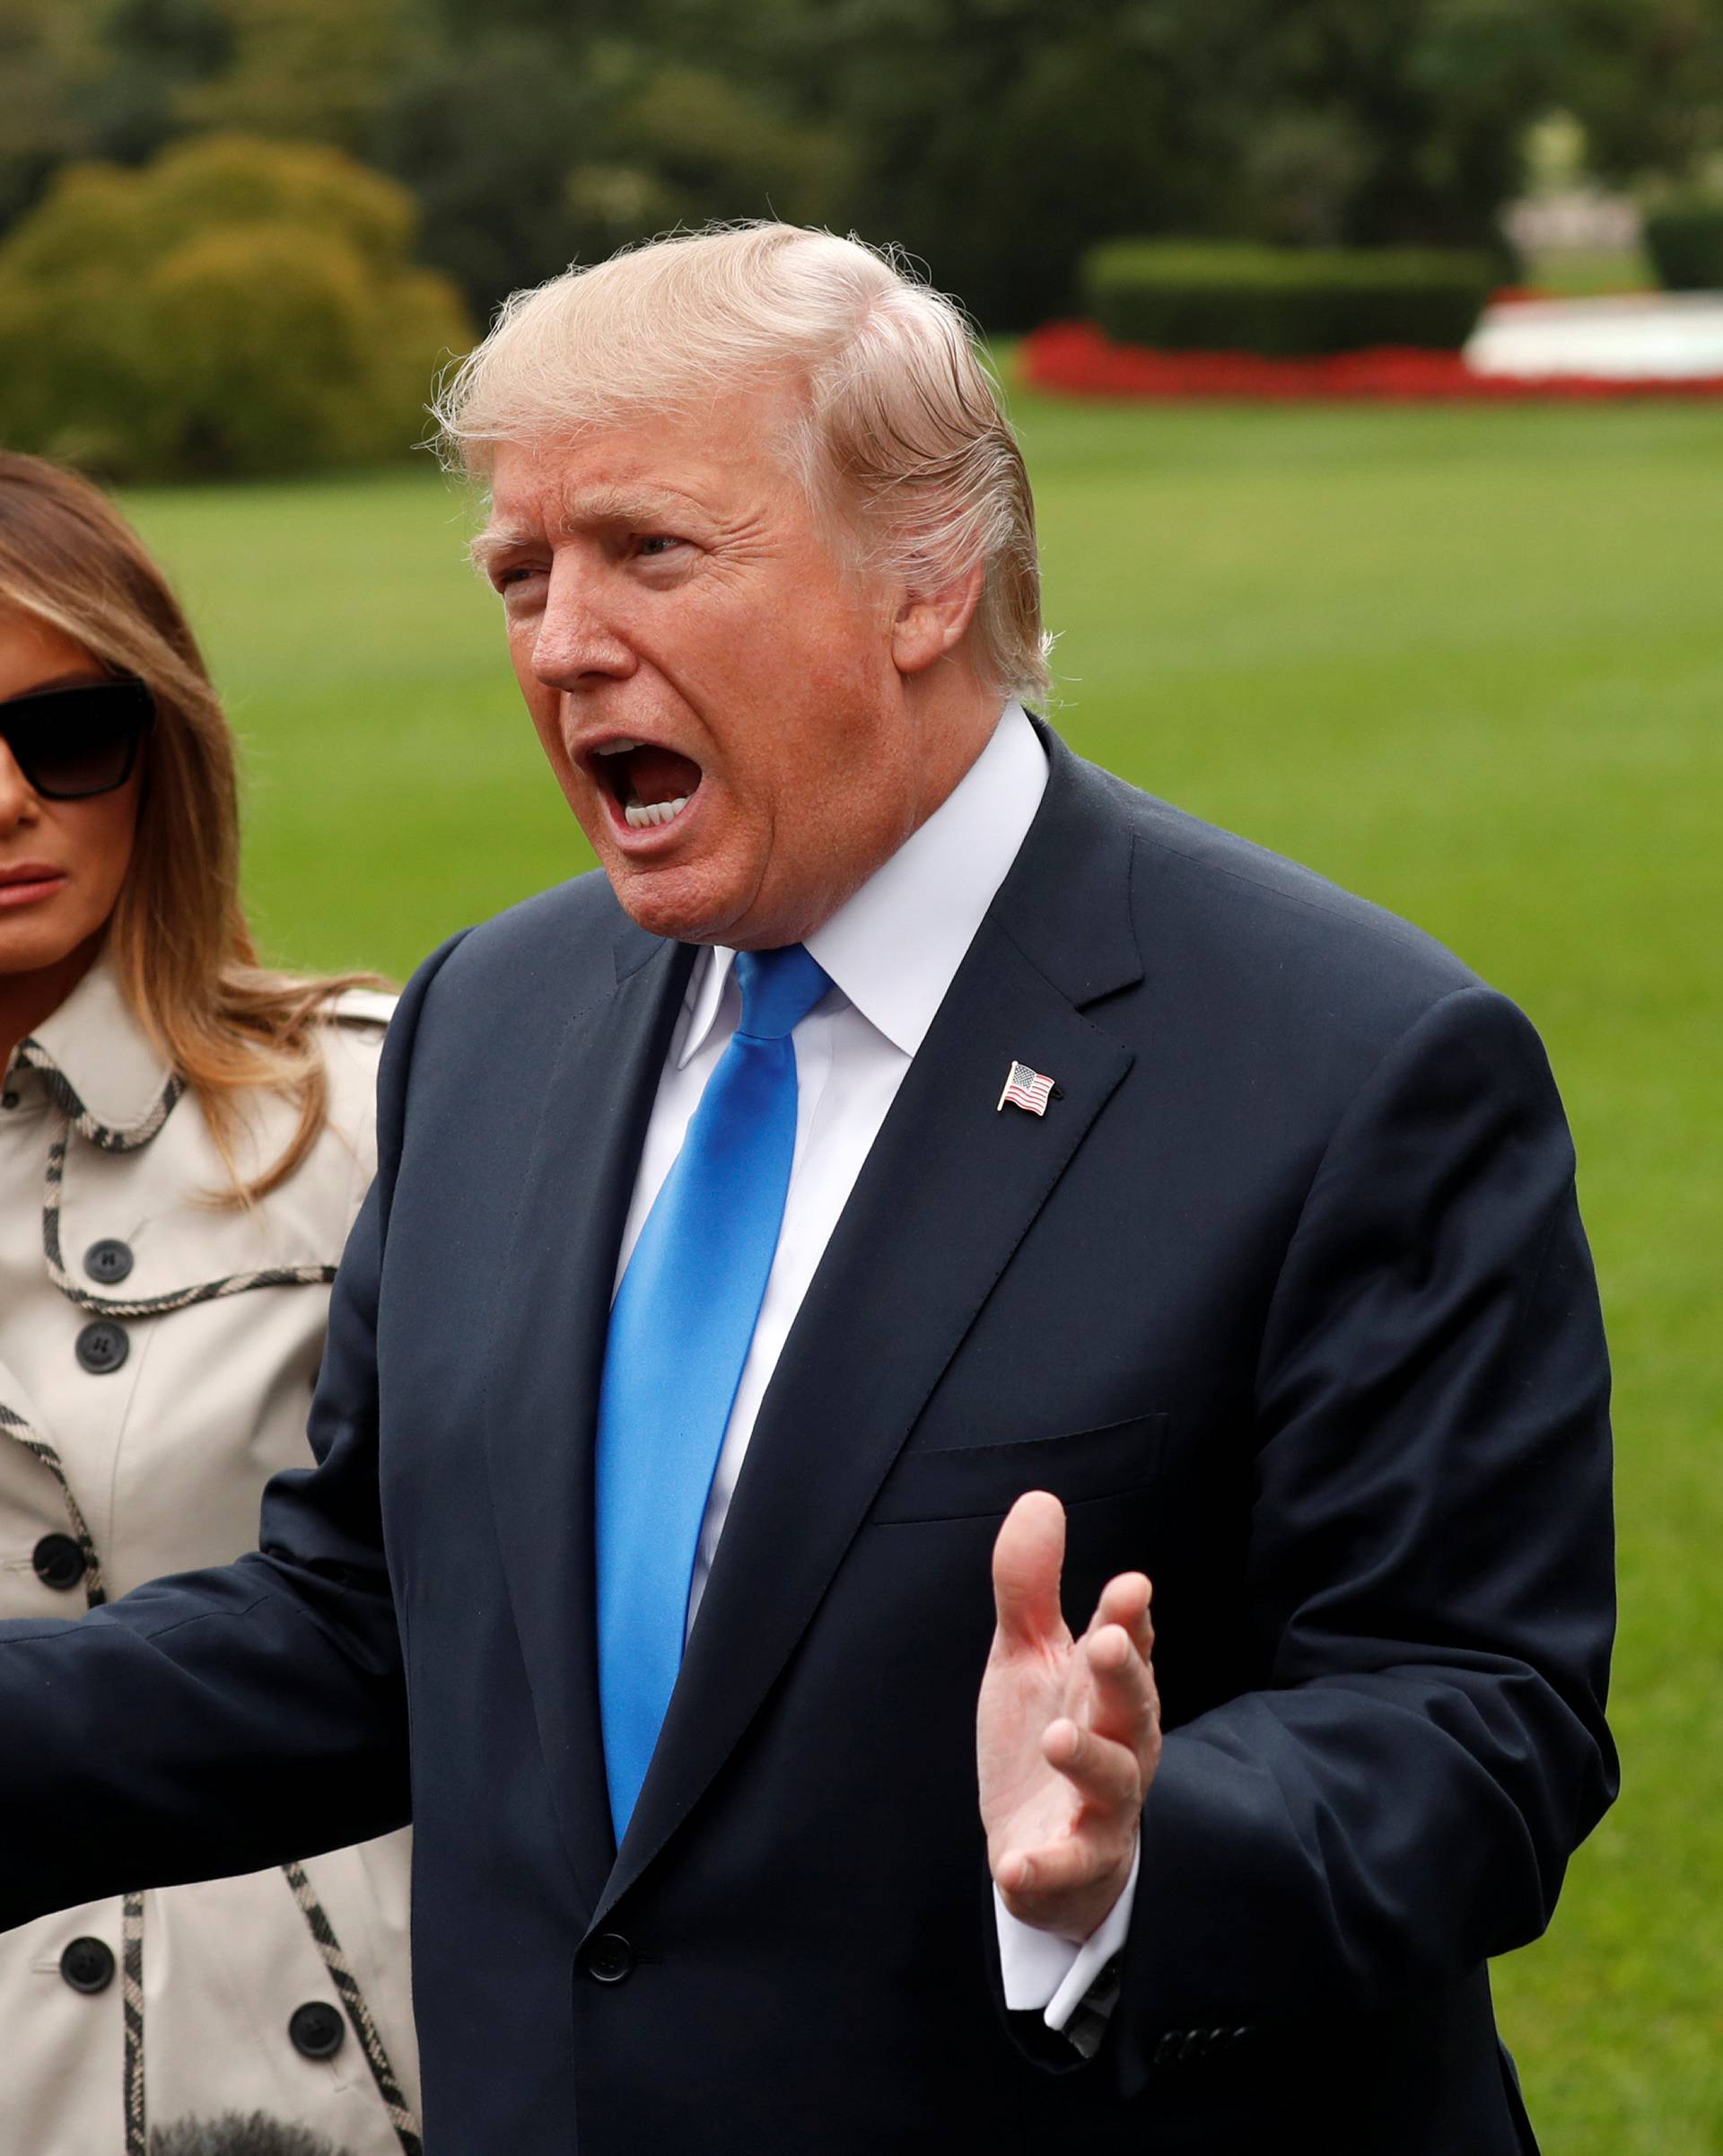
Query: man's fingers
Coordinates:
[1122,1702]
[1029,1555]
[1103,1773]
[1036,1877]
[1125,1601]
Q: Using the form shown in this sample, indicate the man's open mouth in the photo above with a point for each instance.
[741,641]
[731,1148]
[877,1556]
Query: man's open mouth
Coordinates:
[650,785]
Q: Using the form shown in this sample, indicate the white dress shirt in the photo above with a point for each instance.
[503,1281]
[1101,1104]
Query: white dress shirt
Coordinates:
[892,953]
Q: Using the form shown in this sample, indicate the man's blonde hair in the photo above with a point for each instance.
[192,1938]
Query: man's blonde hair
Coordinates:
[898,432]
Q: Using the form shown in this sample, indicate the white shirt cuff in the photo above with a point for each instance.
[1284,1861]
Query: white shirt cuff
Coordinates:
[1042,1969]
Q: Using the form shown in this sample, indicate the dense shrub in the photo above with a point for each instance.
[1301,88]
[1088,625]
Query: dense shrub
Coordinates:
[1218,296]
[238,306]
[1684,239]
[529,151]
[997,138]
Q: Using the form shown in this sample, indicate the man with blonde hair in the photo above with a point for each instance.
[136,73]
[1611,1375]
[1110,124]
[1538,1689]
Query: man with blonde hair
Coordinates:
[922,1187]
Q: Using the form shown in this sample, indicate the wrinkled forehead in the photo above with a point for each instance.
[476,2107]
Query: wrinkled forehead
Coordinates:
[761,421]
[730,456]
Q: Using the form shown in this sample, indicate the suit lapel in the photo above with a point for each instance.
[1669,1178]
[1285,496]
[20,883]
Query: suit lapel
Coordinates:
[949,1190]
[547,1352]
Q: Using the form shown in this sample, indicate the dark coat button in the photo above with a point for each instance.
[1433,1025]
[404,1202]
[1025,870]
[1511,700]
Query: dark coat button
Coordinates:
[317,2029]
[608,1958]
[109,1260]
[58,1562]
[103,1346]
[88,1965]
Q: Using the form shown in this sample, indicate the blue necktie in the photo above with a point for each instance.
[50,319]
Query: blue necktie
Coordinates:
[680,1332]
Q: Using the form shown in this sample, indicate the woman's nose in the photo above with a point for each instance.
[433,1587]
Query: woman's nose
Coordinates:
[17,801]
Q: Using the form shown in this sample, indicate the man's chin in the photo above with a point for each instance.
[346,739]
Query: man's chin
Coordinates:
[682,902]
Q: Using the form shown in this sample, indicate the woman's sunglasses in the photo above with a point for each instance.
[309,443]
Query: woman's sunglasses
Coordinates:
[73,742]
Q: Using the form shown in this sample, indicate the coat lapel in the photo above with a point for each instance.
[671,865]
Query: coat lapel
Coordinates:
[950,1190]
[548,1350]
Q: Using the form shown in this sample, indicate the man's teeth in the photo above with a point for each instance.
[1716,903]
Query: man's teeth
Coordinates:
[639,815]
[617,748]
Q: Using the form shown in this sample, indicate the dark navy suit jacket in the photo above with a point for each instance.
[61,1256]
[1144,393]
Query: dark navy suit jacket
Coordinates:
[1286,1298]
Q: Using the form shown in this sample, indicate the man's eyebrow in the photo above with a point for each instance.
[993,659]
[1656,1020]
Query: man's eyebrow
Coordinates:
[496,540]
[596,506]
[622,505]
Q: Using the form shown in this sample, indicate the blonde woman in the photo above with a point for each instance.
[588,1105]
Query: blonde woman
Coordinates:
[185,1137]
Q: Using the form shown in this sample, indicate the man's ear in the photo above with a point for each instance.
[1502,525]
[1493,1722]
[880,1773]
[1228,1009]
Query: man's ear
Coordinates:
[929,624]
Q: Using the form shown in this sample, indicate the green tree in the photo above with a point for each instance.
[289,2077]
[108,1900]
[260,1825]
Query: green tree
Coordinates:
[154,52]
[43,53]
[237,306]
[487,135]
[95,78]
[312,70]
[997,136]
[530,146]
[995,139]
[1645,77]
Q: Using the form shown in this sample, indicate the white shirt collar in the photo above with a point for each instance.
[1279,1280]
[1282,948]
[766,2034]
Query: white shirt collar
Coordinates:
[895,947]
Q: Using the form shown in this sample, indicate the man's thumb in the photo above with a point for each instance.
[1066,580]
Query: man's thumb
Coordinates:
[1028,1555]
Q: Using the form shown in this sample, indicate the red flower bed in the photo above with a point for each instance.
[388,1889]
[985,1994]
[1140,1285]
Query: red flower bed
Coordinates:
[1076,359]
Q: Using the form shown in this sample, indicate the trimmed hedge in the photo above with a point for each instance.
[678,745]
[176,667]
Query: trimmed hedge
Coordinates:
[1284,302]
[1684,239]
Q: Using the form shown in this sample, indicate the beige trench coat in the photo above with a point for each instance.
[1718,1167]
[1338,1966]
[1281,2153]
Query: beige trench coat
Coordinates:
[142,1441]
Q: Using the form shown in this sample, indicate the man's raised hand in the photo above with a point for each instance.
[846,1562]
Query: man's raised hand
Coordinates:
[1067,1732]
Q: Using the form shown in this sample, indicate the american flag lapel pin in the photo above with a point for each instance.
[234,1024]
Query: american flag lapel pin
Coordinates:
[1025,1088]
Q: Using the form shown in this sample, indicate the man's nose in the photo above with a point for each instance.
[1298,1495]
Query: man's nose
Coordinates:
[17,801]
[578,639]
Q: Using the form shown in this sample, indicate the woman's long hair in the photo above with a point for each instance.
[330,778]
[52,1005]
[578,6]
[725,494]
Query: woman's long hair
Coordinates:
[178,938]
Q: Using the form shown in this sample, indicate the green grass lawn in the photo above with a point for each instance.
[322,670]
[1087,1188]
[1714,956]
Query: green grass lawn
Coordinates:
[1580,273]
[1469,662]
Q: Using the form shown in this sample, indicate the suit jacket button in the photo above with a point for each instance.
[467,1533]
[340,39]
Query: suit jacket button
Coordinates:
[59,1563]
[608,1958]
[109,1260]
[88,1965]
[317,2029]
[103,1346]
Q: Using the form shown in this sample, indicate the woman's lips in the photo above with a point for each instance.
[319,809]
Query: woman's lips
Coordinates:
[30,882]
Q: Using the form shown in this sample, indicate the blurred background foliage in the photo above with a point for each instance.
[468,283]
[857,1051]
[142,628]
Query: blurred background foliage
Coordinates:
[994,138]
[235,306]
[238,236]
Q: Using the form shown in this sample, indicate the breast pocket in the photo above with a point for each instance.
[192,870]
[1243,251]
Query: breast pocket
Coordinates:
[983,1482]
